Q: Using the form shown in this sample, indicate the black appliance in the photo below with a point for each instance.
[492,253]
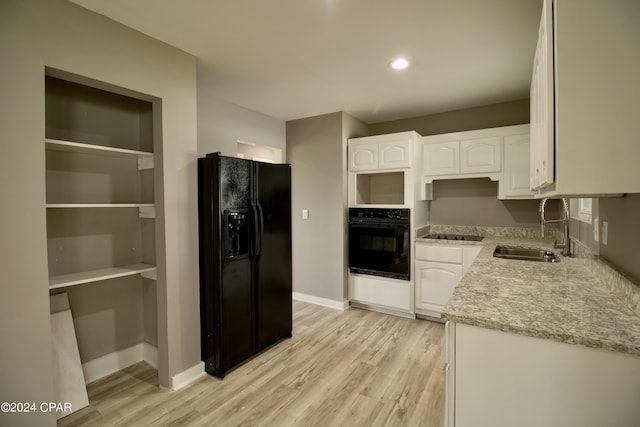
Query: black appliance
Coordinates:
[245,258]
[379,243]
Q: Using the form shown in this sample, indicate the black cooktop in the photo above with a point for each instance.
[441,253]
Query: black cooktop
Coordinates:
[466,237]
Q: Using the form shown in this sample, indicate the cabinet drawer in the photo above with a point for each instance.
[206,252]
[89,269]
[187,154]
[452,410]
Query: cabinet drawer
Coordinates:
[439,253]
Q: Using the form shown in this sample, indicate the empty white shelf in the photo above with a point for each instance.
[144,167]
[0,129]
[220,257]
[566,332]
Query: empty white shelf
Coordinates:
[79,147]
[65,280]
[99,205]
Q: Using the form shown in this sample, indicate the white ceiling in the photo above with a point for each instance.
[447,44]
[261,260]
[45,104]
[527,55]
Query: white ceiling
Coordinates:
[291,59]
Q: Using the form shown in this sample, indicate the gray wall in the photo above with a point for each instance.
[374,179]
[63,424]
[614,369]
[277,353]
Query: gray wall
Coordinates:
[25,327]
[221,124]
[622,250]
[351,128]
[583,231]
[623,247]
[488,116]
[61,35]
[316,148]
[475,202]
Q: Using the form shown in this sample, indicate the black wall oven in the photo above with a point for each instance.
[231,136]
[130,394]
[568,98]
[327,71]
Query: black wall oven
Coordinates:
[379,242]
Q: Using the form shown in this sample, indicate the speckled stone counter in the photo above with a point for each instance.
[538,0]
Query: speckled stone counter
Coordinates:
[564,301]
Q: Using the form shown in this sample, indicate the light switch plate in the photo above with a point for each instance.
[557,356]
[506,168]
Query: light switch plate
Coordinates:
[305,213]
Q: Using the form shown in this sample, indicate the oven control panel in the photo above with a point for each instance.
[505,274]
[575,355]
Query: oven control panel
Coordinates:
[378,213]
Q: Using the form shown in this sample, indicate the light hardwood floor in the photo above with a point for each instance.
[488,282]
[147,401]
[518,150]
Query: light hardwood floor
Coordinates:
[341,368]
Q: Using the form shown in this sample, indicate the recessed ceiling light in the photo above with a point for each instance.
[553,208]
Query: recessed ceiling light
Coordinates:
[399,64]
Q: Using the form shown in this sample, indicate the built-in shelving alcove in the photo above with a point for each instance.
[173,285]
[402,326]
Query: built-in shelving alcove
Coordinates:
[101,228]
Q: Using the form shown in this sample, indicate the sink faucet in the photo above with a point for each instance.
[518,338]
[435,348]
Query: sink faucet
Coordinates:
[566,245]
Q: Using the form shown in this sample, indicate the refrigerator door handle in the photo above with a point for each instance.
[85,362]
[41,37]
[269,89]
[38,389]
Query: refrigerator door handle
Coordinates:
[253,244]
[260,230]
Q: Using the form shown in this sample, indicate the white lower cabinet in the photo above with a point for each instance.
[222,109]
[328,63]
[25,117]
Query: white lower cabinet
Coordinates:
[498,379]
[438,270]
[436,283]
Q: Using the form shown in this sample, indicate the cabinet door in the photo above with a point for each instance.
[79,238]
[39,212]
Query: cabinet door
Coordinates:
[441,158]
[515,179]
[363,157]
[504,379]
[435,283]
[480,155]
[542,105]
[395,155]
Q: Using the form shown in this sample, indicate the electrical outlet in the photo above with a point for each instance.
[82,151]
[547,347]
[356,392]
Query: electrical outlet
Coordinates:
[596,229]
[305,213]
[605,232]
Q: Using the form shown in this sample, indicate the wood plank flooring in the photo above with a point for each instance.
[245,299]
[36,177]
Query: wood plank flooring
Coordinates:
[341,368]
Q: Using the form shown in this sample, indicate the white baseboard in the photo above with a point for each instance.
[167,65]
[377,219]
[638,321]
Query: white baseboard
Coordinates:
[118,360]
[185,378]
[338,305]
[150,354]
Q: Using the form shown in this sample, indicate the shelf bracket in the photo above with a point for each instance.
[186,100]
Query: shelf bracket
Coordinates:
[147,211]
[151,275]
[145,163]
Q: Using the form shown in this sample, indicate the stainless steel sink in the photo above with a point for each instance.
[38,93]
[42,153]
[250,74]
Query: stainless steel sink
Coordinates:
[527,254]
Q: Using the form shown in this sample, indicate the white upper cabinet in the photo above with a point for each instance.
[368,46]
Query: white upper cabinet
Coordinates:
[382,152]
[441,158]
[500,154]
[585,99]
[363,156]
[541,110]
[461,153]
[480,155]
[383,170]
[515,175]
[394,155]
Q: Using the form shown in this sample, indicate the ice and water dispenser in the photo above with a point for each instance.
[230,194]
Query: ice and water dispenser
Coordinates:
[236,234]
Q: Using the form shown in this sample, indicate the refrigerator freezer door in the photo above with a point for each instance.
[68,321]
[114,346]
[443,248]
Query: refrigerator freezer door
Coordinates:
[226,303]
[236,329]
[236,308]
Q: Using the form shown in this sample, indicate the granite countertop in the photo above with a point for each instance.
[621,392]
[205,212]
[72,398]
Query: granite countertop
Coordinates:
[562,301]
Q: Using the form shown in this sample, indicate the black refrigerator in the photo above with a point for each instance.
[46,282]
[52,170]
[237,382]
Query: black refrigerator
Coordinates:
[245,258]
